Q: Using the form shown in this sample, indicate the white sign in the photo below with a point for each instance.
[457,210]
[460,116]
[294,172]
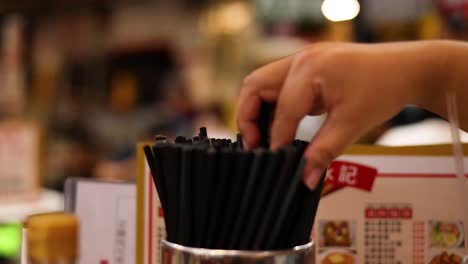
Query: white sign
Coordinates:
[107,213]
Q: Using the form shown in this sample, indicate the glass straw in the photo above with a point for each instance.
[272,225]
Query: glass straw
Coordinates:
[458,158]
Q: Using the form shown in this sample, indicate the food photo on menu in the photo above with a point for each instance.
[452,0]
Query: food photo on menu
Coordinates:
[337,234]
[445,258]
[338,257]
[337,241]
[446,234]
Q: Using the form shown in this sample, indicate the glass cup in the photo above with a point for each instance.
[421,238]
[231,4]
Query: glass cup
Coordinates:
[177,254]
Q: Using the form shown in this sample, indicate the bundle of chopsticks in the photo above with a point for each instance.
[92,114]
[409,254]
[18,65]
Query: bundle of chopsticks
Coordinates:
[217,195]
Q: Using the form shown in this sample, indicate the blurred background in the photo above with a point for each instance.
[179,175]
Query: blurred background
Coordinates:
[96,76]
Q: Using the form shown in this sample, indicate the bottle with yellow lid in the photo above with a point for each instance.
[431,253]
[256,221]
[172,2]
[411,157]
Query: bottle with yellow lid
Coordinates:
[52,238]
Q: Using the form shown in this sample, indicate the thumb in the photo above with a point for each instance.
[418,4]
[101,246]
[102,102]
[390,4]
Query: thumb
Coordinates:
[333,137]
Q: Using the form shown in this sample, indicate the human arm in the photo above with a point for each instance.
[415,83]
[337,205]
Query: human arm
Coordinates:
[358,85]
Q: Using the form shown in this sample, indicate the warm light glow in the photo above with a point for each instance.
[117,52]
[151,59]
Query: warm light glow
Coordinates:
[228,18]
[340,10]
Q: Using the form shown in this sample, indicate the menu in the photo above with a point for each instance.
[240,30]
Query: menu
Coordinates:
[379,205]
[391,205]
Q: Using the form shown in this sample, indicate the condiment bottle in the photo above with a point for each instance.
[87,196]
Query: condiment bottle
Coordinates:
[52,238]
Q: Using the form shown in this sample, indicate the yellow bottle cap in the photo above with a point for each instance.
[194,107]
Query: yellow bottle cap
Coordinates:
[52,236]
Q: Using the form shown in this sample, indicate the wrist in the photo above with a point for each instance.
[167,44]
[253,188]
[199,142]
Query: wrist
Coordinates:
[434,76]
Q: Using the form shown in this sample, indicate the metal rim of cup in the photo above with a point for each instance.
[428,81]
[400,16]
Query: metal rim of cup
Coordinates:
[238,253]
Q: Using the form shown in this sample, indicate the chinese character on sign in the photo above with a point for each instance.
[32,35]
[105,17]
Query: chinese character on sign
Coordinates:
[348,175]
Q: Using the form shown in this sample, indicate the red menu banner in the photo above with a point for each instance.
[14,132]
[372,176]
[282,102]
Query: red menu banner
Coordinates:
[342,173]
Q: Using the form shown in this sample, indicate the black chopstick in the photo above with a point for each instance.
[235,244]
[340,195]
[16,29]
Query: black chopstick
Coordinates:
[286,238]
[288,199]
[259,203]
[203,134]
[308,208]
[185,197]
[171,168]
[239,142]
[291,158]
[208,182]
[226,160]
[238,183]
[228,177]
[264,121]
[200,196]
[156,175]
[252,182]
[161,177]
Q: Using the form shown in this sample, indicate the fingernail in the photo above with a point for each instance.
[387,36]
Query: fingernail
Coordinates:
[313,178]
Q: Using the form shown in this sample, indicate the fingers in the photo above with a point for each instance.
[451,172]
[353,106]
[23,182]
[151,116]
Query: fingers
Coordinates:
[296,100]
[338,131]
[262,85]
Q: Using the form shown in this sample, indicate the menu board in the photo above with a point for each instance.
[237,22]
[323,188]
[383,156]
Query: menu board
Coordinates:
[19,160]
[398,205]
[379,205]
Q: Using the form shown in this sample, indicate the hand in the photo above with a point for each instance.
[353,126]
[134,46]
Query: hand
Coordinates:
[358,85]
